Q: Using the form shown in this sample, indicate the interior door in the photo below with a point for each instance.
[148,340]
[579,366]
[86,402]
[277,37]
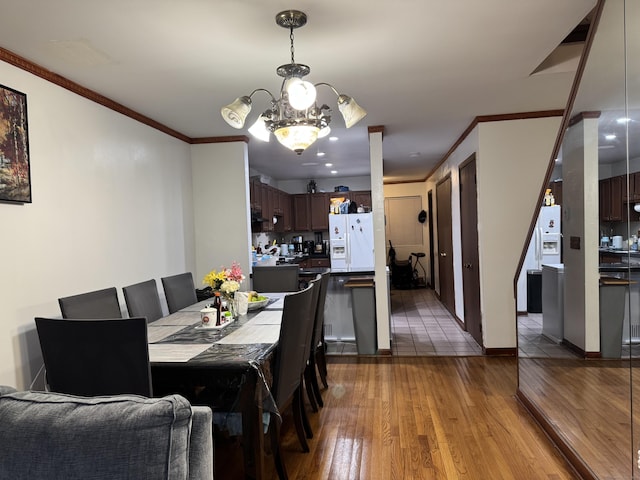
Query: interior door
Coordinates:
[470,258]
[445,244]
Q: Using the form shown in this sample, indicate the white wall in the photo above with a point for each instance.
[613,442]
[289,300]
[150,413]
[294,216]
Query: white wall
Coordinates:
[221,206]
[112,205]
[511,160]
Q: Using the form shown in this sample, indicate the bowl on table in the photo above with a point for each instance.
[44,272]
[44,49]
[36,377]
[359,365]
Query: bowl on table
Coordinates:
[258,304]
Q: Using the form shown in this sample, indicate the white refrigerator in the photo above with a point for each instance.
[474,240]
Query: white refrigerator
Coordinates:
[545,249]
[351,242]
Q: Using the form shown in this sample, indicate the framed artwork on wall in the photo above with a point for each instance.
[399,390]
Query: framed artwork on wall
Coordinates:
[15,166]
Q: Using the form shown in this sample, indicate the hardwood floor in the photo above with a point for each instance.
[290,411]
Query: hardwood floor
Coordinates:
[413,418]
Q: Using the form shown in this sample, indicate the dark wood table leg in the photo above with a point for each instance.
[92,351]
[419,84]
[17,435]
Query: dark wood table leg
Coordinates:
[252,429]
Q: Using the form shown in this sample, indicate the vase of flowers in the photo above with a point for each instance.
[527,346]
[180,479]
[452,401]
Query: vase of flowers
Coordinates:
[227,282]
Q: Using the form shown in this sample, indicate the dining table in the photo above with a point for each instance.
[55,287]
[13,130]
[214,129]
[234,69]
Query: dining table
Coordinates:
[228,368]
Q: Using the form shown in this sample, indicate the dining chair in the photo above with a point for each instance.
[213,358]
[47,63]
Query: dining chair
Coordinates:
[97,304]
[317,358]
[279,278]
[179,291]
[142,300]
[289,364]
[92,357]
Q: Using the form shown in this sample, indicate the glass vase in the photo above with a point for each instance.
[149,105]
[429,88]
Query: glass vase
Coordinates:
[232,307]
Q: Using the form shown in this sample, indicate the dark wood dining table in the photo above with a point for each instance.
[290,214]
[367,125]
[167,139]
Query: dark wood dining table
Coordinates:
[228,369]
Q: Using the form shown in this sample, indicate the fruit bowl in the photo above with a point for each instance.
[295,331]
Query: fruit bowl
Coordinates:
[258,304]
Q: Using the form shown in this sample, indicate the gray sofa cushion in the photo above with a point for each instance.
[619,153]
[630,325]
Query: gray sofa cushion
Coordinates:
[55,437]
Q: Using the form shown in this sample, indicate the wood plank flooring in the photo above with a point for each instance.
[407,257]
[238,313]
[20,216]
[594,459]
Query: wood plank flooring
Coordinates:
[414,418]
[591,402]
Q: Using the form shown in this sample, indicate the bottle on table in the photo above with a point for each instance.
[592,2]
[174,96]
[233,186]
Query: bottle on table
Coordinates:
[217,304]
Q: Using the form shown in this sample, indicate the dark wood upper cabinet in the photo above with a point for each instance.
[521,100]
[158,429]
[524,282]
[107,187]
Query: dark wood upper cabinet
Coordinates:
[319,211]
[611,198]
[301,213]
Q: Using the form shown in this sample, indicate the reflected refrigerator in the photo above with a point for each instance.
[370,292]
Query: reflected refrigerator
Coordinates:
[545,249]
[351,242]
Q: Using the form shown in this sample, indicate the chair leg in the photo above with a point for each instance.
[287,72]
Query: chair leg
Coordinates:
[313,380]
[275,449]
[308,384]
[299,420]
[303,414]
[321,361]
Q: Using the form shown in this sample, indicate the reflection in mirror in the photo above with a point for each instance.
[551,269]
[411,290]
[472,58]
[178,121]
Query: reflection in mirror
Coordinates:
[579,385]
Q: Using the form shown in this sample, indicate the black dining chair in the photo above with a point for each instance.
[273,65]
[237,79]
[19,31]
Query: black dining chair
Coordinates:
[317,358]
[290,361]
[179,291]
[97,304]
[279,278]
[142,300]
[92,357]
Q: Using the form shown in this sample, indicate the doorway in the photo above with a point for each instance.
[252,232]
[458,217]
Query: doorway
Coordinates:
[470,256]
[445,244]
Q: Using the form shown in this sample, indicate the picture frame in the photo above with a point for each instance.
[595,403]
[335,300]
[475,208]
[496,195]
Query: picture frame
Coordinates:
[15,164]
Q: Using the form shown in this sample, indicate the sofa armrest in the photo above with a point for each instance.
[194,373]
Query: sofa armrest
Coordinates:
[201,444]
[5,389]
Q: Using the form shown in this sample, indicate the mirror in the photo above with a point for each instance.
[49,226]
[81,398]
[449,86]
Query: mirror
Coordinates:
[581,388]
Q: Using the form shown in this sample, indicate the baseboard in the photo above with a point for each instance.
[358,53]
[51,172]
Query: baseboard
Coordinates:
[580,351]
[501,352]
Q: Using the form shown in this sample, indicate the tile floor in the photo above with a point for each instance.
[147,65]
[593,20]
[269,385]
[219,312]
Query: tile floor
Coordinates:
[531,342]
[420,326]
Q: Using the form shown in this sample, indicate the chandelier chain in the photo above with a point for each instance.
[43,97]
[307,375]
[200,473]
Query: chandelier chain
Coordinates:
[292,49]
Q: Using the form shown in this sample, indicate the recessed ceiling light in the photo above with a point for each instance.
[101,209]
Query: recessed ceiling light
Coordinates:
[333,139]
[328,164]
[414,154]
[610,136]
[623,120]
[334,171]
[309,164]
[320,154]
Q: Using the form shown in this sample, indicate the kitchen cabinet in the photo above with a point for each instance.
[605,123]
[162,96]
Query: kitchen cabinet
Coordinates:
[301,212]
[287,212]
[319,211]
[633,195]
[611,198]
[269,202]
[283,212]
[311,212]
[255,193]
[556,191]
[312,262]
[361,198]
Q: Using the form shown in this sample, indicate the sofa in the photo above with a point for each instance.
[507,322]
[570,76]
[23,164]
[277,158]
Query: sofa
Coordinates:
[56,436]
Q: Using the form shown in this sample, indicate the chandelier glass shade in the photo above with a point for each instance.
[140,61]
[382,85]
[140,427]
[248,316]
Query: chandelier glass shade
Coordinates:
[295,118]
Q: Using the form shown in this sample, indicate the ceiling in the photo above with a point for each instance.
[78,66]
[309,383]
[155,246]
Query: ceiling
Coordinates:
[423,69]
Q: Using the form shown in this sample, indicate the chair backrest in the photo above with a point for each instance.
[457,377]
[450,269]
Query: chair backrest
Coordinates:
[318,326]
[179,291]
[142,300]
[92,357]
[317,283]
[279,278]
[294,335]
[97,304]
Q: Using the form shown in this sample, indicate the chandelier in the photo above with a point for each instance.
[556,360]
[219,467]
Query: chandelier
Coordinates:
[295,118]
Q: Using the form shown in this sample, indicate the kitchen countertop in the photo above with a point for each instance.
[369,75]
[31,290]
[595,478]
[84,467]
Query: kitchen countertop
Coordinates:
[614,251]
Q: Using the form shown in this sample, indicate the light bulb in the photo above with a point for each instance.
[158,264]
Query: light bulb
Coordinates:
[302,94]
